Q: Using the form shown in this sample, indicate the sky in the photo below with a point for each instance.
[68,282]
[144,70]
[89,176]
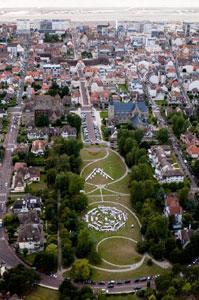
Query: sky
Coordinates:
[99,3]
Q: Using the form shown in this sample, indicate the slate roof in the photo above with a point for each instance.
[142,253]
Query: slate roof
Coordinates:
[142,106]
[129,107]
[123,107]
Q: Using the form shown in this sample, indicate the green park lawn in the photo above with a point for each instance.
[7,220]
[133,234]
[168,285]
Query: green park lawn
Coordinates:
[39,186]
[41,293]
[112,165]
[119,251]
[126,230]
[92,153]
[120,186]
[144,270]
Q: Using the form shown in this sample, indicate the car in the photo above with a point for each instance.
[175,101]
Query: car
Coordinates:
[143,279]
[101,282]
[110,286]
[119,282]
[127,281]
[6,184]
[88,281]
[137,280]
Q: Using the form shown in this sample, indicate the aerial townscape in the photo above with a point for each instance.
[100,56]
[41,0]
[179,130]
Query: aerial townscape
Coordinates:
[99,159]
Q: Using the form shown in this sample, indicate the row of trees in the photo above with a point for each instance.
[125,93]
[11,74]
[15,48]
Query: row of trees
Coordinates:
[179,123]
[18,280]
[64,203]
[179,283]
[147,197]
[70,292]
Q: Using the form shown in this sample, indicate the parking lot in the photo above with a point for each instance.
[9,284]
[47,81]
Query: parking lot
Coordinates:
[90,130]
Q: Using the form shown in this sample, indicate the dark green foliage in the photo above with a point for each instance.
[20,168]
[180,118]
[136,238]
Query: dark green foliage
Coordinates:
[45,262]
[18,280]
[75,121]
[41,120]
[163,135]
[70,292]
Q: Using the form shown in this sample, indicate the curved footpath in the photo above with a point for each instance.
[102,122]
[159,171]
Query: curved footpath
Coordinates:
[8,255]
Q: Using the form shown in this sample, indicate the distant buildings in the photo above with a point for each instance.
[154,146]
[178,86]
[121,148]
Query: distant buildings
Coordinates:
[54,25]
[23,26]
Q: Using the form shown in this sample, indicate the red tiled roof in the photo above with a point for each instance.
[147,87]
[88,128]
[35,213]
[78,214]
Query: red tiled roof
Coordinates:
[172,201]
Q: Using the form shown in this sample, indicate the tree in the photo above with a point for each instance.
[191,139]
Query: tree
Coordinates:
[76,183]
[70,292]
[75,121]
[81,270]
[51,249]
[183,194]
[163,135]
[158,250]
[67,290]
[62,182]
[157,228]
[45,262]
[41,120]
[64,91]
[67,253]
[79,202]
[137,191]
[179,124]
[18,280]
[195,168]
[141,172]
[186,289]
[51,176]
[84,243]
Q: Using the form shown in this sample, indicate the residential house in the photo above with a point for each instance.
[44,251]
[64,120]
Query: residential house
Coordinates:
[30,234]
[27,203]
[38,147]
[193,151]
[22,176]
[173,208]
[165,170]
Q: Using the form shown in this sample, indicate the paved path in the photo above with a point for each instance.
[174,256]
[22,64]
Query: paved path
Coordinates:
[95,160]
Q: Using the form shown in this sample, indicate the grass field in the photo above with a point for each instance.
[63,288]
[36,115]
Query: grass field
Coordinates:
[92,153]
[38,186]
[115,250]
[144,270]
[112,165]
[120,186]
[41,293]
[126,231]
[119,251]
